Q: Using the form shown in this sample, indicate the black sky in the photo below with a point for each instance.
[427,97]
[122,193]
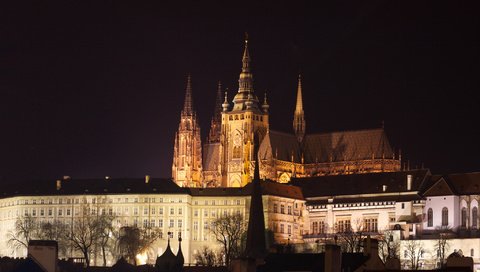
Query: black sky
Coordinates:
[95,88]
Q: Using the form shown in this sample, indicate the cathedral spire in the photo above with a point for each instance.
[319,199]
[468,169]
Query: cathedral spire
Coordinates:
[245,84]
[188,104]
[217,113]
[245,81]
[299,116]
[246,57]
[215,125]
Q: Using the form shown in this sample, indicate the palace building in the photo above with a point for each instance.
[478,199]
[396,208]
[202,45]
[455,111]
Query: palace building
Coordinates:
[227,158]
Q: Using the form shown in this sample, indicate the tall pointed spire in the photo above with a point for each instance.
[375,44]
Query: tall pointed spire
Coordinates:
[299,116]
[246,57]
[188,104]
[187,162]
[245,84]
[255,246]
[217,112]
[216,123]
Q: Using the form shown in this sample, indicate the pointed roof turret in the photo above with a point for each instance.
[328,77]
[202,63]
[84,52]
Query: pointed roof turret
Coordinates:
[167,261]
[265,105]
[188,104]
[225,104]
[255,246]
[299,116]
[180,259]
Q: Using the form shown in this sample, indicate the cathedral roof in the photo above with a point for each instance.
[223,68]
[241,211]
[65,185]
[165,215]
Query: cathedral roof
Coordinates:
[334,146]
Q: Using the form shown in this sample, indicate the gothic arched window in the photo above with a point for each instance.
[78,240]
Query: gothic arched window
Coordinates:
[445,216]
[430,217]
[464,217]
[474,217]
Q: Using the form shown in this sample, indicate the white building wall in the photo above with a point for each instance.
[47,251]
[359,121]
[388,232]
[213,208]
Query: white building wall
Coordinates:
[131,209]
[437,203]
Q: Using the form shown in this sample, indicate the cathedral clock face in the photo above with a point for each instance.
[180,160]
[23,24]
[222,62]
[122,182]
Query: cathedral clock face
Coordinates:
[237,140]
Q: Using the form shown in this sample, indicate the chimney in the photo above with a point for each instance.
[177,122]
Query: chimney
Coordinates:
[409,182]
[371,246]
[59,184]
[147,178]
[333,258]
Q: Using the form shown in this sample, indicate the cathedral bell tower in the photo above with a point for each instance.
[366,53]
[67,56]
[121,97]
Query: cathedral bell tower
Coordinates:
[240,126]
[187,153]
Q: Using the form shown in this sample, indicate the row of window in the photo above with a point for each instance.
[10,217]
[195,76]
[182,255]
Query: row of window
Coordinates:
[214,213]
[348,205]
[463,218]
[280,228]
[86,200]
[242,116]
[224,202]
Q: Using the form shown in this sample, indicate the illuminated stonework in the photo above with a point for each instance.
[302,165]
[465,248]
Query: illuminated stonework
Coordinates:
[228,153]
[187,154]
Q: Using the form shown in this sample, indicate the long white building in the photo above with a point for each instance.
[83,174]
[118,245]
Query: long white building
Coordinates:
[411,205]
[157,203]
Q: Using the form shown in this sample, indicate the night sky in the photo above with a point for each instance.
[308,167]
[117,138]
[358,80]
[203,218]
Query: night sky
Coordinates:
[90,89]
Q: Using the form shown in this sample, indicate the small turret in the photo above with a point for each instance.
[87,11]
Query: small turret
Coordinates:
[265,105]
[225,104]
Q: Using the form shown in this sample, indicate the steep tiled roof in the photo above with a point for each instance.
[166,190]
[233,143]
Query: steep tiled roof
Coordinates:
[347,145]
[465,183]
[339,146]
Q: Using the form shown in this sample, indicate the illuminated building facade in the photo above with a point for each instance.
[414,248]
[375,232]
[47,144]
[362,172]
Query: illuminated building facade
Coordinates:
[228,159]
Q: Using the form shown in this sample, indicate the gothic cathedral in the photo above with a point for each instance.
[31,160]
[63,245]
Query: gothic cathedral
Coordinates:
[228,154]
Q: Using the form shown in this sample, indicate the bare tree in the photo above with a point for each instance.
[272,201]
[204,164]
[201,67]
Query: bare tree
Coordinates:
[388,247]
[104,228]
[133,240]
[442,244]
[351,237]
[26,229]
[228,231]
[413,252]
[84,231]
[57,231]
[206,257]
